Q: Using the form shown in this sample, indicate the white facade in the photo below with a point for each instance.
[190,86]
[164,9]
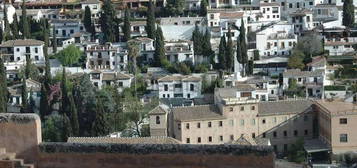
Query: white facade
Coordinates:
[178,86]
[107,57]
[100,79]
[66,28]
[270,12]
[340,46]
[179,51]
[278,39]
[94,6]
[302,20]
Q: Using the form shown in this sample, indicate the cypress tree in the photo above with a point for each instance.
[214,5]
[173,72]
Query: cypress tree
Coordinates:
[197,40]
[7,33]
[222,53]
[126,26]
[73,116]
[15,27]
[229,52]
[45,52]
[27,67]
[203,8]
[3,87]
[1,36]
[25,24]
[44,104]
[159,55]
[107,23]
[150,21]
[54,40]
[24,106]
[64,90]
[206,44]
[87,19]
[67,129]
[348,13]
[100,125]
[243,47]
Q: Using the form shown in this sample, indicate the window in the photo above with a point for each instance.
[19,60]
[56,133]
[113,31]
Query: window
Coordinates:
[157,119]
[274,120]
[306,132]
[295,133]
[253,135]
[285,147]
[209,139]
[231,109]
[242,122]
[263,121]
[343,138]
[120,84]
[178,85]
[36,50]
[179,126]
[198,125]
[192,87]
[220,123]
[285,133]
[210,124]
[36,58]
[199,140]
[232,137]
[166,87]
[306,118]
[187,140]
[290,5]
[252,107]
[187,126]
[343,120]
[253,121]
[274,134]
[264,135]
[221,138]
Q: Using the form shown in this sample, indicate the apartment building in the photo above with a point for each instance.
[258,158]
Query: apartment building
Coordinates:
[95,7]
[100,79]
[106,57]
[313,81]
[276,40]
[147,49]
[288,7]
[180,86]
[340,46]
[223,19]
[302,20]
[270,12]
[65,28]
[231,118]
[16,52]
[181,21]
[179,51]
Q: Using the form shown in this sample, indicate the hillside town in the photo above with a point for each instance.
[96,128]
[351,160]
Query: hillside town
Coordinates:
[281,74]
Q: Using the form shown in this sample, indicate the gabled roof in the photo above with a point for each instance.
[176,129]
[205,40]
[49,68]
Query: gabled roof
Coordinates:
[194,113]
[158,110]
[284,107]
[187,78]
[26,42]
[124,140]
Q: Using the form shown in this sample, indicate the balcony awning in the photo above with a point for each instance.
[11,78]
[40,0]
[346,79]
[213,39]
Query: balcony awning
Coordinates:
[316,145]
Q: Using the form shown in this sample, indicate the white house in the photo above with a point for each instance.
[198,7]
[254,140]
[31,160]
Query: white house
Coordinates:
[340,46]
[106,57]
[16,52]
[223,19]
[101,79]
[179,86]
[65,28]
[302,20]
[179,51]
[277,39]
[95,7]
[269,12]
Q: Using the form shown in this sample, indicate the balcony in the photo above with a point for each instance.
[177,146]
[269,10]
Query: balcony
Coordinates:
[242,100]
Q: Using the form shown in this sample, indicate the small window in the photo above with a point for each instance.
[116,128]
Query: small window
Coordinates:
[187,126]
[242,122]
[220,123]
[253,121]
[343,120]
[285,133]
[306,118]
[306,132]
[179,126]
[230,109]
[157,119]
[209,139]
[221,138]
[253,135]
[232,137]
[343,138]
[252,107]
[210,124]
[198,125]
[263,121]
[274,134]
[187,140]
[264,135]
[296,133]
[199,140]
[242,108]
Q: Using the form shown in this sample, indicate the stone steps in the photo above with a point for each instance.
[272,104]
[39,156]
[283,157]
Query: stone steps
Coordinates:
[9,160]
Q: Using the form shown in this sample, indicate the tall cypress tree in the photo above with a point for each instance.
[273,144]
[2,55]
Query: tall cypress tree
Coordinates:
[73,116]
[203,8]
[206,44]
[44,104]
[348,13]
[126,26]
[64,99]
[100,126]
[150,21]
[15,27]
[25,24]
[107,23]
[197,40]
[243,47]
[3,87]
[28,67]
[87,19]
[222,53]
[159,55]
[54,40]
[229,52]
[24,106]
[67,128]
[7,30]
[45,52]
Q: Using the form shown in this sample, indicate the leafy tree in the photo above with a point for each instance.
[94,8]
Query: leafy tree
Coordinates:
[126,26]
[67,128]
[3,87]
[159,55]
[30,70]
[106,21]
[296,152]
[52,128]
[296,60]
[348,15]
[15,27]
[1,35]
[100,125]
[175,7]
[150,21]
[222,53]
[87,19]
[25,24]
[229,52]
[54,39]
[203,7]
[69,56]
[133,54]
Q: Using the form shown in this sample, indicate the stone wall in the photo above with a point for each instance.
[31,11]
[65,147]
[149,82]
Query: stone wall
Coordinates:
[21,134]
[58,155]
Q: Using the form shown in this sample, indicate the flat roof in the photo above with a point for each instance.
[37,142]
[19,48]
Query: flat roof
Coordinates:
[316,145]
